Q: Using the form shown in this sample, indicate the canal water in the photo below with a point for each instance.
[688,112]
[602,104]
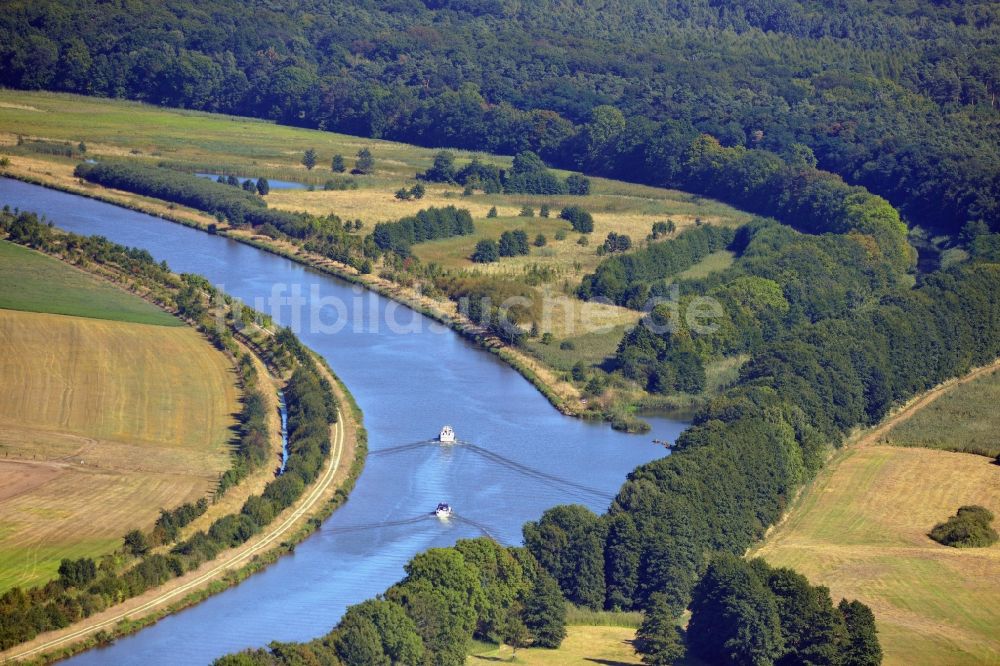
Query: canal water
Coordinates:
[410,377]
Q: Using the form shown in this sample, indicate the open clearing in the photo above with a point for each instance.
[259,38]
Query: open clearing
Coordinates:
[595,645]
[964,418]
[861,529]
[102,423]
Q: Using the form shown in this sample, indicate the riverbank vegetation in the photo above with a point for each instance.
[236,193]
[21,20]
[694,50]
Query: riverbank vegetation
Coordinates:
[476,588]
[148,560]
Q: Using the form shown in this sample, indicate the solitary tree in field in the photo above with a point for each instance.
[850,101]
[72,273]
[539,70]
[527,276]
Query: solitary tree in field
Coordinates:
[581,220]
[365,164]
[513,632]
[309,159]
[337,164]
[443,170]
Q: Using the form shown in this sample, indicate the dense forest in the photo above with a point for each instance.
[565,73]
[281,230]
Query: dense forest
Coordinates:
[897,96]
[781,279]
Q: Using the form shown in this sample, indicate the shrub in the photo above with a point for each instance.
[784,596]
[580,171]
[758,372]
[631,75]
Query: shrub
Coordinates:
[581,220]
[969,528]
[486,251]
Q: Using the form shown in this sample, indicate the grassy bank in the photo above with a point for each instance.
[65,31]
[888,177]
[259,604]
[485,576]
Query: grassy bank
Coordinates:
[35,283]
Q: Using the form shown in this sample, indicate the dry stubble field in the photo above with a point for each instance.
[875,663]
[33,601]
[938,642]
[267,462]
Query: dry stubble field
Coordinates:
[861,529]
[102,423]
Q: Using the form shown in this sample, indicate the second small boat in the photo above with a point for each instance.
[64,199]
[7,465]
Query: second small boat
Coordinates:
[447,435]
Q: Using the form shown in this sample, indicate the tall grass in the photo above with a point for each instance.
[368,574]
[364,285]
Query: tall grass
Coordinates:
[591,618]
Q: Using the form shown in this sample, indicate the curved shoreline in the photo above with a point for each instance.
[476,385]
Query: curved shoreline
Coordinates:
[235,565]
[519,361]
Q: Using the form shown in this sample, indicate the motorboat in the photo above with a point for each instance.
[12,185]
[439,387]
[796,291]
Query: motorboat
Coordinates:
[443,511]
[447,435]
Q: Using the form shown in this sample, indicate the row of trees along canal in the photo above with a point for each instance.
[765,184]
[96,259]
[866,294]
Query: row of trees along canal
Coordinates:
[150,559]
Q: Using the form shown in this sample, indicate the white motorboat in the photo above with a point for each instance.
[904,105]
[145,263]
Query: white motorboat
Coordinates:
[447,435]
[443,511]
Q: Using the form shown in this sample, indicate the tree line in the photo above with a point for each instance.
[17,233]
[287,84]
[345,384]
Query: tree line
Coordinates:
[429,224]
[528,175]
[237,205]
[85,587]
[625,280]
[327,235]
